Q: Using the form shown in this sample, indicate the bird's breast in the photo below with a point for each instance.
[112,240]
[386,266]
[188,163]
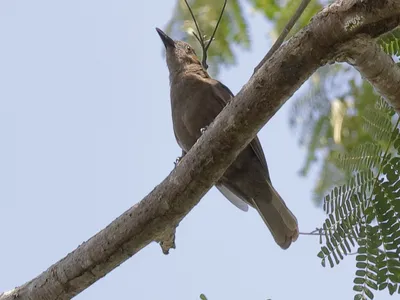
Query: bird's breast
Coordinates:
[193,107]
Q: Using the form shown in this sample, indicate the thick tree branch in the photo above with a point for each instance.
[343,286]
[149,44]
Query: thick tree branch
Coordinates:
[270,87]
[375,66]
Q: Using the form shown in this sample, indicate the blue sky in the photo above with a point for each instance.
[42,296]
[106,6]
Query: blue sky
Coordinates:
[86,132]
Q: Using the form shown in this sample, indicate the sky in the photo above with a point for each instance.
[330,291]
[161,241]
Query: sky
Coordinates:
[86,132]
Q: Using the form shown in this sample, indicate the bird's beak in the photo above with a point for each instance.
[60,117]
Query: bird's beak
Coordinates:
[168,42]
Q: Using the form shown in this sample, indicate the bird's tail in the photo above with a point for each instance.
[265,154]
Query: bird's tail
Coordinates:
[279,219]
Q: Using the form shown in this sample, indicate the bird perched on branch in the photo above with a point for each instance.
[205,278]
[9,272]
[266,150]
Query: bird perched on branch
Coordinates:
[196,100]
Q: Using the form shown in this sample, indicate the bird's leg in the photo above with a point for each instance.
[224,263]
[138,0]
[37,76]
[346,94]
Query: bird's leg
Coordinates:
[202,130]
[179,158]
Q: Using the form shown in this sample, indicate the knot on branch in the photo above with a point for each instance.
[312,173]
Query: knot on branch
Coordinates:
[167,239]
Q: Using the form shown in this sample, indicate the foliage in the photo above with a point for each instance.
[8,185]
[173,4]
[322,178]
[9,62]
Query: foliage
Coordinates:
[364,212]
[279,12]
[331,123]
[318,132]
[361,166]
[390,42]
[354,137]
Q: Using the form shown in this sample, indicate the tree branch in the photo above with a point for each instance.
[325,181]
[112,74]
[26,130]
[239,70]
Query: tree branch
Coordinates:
[153,218]
[375,65]
[284,33]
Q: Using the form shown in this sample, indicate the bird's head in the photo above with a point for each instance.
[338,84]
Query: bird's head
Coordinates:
[180,55]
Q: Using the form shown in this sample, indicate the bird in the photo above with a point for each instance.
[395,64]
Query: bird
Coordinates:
[196,100]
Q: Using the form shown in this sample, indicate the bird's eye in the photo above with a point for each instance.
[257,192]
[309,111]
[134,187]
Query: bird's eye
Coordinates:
[188,49]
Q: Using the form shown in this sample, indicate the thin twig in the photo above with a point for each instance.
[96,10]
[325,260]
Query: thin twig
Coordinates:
[197,38]
[196,24]
[284,33]
[204,61]
[200,37]
[216,26]
[311,233]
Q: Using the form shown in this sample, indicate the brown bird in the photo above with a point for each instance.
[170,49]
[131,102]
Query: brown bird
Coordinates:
[196,100]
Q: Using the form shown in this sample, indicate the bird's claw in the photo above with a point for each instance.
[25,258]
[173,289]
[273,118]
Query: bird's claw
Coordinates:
[202,130]
[177,160]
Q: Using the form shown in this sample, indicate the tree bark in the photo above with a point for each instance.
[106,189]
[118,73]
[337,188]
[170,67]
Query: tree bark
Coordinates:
[375,66]
[329,34]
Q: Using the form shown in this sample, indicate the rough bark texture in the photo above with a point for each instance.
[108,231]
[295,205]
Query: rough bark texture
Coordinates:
[375,66]
[271,86]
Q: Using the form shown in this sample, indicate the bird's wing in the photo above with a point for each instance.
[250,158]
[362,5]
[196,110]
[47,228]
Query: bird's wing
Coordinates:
[224,95]
[232,196]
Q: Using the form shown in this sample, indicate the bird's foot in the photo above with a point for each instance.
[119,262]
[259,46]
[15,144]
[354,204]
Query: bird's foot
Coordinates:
[202,130]
[179,158]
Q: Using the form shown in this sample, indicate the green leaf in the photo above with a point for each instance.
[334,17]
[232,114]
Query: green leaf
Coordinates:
[382,286]
[394,278]
[361,273]
[361,265]
[371,284]
[325,250]
[358,288]
[361,258]
[392,255]
[362,250]
[331,261]
[372,276]
[392,288]
[368,292]
[359,280]
[359,297]
[203,297]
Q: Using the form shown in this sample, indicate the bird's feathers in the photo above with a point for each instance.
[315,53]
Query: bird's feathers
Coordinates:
[271,207]
[224,95]
[232,197]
